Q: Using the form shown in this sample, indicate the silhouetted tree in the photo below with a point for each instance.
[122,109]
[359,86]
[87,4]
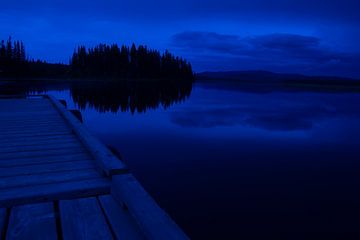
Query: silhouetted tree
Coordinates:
[14,63]
[134,62]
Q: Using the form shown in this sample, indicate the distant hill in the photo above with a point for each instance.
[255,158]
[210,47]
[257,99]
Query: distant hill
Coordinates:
[264,81]
[260,76]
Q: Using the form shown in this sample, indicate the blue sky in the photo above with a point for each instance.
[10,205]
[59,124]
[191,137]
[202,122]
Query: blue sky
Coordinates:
[316,38]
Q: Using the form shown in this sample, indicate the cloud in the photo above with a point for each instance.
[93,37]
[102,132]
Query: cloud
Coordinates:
[279,118]
[208,41]
[285,41]
[274,52]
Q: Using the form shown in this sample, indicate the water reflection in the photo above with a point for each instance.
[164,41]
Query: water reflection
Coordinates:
[28,87]
[275,118]
[109,96]
[129,96]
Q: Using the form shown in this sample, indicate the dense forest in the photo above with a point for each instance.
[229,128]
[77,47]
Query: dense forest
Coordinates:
[101,62]
[14,62]
[112,61]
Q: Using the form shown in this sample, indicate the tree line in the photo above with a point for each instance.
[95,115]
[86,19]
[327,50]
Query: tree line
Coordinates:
[101,61]
[12,54]
[112,61]
[14,62]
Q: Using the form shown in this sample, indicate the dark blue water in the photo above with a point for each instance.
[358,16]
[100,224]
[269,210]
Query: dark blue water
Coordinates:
[246,165]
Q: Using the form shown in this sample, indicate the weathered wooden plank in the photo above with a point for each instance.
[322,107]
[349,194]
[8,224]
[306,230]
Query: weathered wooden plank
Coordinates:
[47,192]
[28,139]
[31,142]
[122,223]
[8,96]
[56,152]
[44,160]
[39,147]
[108,162]
[83,219]
[25,103]
[14,108]
[45,168]
[34,221]
[16,123]
[31,104]
[47,178]
[21,134]
[35,134]
[16,111]
[25,114]
[3,219]
[32,119]
[153,221]
[23,100]
[35,130]
[24,125]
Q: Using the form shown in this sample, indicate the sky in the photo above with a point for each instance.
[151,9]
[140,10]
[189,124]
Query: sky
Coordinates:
[318,37]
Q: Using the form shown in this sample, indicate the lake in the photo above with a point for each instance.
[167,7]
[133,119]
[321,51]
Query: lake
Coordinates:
[244,163]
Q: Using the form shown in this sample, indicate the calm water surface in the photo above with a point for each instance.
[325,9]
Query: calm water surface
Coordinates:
[257,165]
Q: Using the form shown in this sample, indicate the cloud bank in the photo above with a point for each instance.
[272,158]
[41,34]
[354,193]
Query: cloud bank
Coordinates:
[274,52]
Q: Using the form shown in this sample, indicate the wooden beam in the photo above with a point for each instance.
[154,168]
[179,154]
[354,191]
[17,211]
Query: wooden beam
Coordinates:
[46,168]
[47,192]
[82,219]
[3,221]
[121,222]
[70,157]
[47,178]
[35,221]
[107,161]
[34,154]
[153,221]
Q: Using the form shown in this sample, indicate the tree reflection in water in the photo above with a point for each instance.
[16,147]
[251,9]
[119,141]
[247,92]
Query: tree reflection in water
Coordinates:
[125,96]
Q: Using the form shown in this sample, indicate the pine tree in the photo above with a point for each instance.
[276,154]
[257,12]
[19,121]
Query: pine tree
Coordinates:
[2,54]
[22,52]
[9,49]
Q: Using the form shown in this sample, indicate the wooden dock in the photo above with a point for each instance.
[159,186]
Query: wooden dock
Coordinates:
[59,182]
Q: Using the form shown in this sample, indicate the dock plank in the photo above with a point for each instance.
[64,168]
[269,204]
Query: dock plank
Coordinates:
[40,147]
[121,222]
[32,119]
[24,125]
[6,156]
[153,221]
[35,131]
[83,219]
[3,219]
[49,142]
[48,192]
[25,140]
[35,221]
[46,168]
[35,134]
[47,178]
[71,157]
[24,114]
